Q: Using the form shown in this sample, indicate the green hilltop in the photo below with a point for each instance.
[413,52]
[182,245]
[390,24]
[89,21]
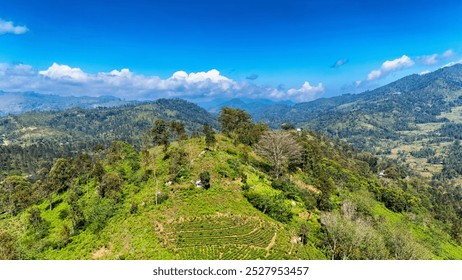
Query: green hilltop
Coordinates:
[221,196]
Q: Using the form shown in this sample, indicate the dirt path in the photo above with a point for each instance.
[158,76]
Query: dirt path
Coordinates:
[271,244]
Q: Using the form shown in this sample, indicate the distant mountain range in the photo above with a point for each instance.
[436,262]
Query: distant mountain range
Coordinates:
[20,102]
[103,125]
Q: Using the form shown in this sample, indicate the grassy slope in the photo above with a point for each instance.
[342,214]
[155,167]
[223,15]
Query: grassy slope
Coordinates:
[218,223]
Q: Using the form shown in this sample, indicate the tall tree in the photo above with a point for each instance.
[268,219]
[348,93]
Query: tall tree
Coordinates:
[38,226]
[15,194]
[7,246]
[160,133]
[59,178]
[280,148]
[205,179]
[238,125]
[178,130]
[210,139]
[110,186]
[231,119]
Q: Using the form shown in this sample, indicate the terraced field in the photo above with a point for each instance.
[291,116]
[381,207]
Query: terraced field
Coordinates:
[223,237]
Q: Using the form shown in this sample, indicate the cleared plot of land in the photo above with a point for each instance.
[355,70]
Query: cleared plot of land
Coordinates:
[455,115]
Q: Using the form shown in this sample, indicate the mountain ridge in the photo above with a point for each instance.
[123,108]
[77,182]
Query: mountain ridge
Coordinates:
[408,115]
[29,138]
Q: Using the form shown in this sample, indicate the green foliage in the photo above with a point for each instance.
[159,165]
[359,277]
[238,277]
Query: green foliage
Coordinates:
[7,246]
[98,212]
[273,206]
[237,237]
[237,124]
[37,226]
[118,203]
[160,134]
[97,171]
[60,175]
[287,126]
[204,177]
[288,189]
[110,186]
[178,158]
[76,210]
[15,194]
[394,198]
[232,119]
[452,167]
[210,139]
[304,231]
[177,131]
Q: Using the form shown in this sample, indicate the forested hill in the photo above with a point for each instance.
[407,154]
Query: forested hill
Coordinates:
[35,138]
[415,119]
[249,193]
[418,98]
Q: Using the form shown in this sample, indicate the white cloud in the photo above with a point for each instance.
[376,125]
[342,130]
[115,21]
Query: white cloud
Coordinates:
[391,66]
[58,72]
[210,76]
[374,75]
[306,93]
[397,64]
[66,80]
[122,73]
[435,58]
[9,27]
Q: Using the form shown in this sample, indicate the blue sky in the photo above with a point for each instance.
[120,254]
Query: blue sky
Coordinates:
[290,49]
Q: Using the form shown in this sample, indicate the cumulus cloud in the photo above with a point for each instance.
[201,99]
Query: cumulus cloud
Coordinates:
[306,93]
[66,80]
[9,27]
[58,72]
[340,63]
[252,77]
[390,66]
